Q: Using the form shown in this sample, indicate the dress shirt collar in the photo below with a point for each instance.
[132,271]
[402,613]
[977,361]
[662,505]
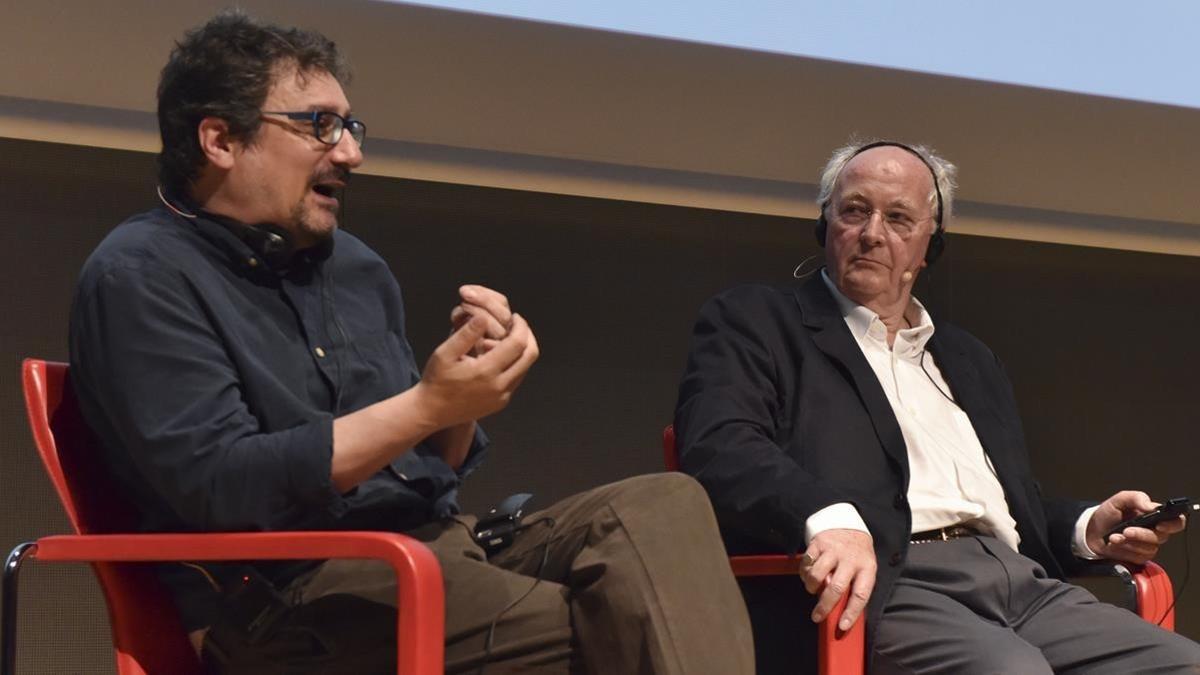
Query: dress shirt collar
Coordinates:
[865,324]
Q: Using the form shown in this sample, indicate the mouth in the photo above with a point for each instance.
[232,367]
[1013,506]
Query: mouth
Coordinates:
[328,188]
[854,261]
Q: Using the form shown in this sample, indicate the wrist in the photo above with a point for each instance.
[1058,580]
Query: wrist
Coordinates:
[429,410]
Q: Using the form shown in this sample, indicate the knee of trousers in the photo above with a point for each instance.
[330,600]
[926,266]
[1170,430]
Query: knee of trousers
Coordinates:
[670,488]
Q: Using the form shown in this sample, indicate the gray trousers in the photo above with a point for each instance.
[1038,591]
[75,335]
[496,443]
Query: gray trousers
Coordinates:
[974,605]
[628,578]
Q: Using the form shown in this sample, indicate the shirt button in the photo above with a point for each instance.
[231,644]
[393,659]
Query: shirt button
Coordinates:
[319,352]
[895,559]
[253,262]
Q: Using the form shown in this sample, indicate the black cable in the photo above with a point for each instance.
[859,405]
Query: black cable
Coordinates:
[1187,572]
[491,635]
[935,384]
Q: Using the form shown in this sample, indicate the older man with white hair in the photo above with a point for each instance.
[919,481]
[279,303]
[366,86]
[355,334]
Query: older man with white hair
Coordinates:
[836,418]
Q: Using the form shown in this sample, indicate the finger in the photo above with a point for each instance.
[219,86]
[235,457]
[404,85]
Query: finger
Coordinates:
[522,368]
[491,301]
[462,340]
[485,345]
[1140,535]
[1136,547]
[834,588]
[1173,526]
[515,373]
[819,572]
[510,349]
[495,329]
[860,593]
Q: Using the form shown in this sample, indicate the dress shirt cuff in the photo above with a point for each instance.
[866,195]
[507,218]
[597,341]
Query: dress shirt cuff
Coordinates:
[840,516]
[1079,542]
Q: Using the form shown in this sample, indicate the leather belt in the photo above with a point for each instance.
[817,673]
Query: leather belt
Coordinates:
[942,534]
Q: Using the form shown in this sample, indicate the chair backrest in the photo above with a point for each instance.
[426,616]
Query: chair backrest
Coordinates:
[670,454]
[147,634]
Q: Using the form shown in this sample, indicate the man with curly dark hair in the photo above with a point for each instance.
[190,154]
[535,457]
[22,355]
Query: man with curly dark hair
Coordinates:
[244,364]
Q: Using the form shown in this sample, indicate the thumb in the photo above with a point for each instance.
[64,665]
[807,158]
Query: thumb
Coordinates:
[462,340]
[1140,501]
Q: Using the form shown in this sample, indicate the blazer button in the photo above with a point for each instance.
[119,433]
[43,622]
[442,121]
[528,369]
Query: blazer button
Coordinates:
[898,502]
[895,559]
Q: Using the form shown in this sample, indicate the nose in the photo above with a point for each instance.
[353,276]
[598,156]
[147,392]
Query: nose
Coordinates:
[872,231]
[347,152]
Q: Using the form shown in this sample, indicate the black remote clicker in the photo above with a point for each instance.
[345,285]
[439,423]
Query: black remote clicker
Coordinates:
[1172,508]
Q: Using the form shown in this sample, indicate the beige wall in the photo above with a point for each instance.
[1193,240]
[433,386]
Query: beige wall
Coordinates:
[489,101]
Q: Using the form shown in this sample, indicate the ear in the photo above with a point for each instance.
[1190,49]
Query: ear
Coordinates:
[215,142]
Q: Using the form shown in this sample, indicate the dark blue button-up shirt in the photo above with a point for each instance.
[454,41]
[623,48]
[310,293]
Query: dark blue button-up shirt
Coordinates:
[212,379]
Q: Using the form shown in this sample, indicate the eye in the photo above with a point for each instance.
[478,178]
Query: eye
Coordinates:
[901,221]
[326,121]
[854,214]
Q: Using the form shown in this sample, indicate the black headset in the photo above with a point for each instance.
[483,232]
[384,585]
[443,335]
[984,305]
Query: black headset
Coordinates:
[273,244]
[937,241]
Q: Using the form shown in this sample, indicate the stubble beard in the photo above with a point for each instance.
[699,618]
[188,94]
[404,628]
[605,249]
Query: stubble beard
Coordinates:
[314,224]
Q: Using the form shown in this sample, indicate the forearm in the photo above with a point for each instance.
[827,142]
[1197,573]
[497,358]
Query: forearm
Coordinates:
[366,440]
[454,443]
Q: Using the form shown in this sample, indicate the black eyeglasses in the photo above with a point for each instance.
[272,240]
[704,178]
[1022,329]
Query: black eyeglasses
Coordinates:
[327,126]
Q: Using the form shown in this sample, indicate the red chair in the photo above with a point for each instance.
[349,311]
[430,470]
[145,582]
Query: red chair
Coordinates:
[844,653]
[838,652]
[147,635]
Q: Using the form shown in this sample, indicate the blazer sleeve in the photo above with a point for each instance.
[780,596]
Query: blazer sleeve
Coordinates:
[728,421]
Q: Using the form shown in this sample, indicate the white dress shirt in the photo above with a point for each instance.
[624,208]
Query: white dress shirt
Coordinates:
[952,480]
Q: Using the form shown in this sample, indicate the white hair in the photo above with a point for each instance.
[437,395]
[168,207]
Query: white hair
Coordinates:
[944,174]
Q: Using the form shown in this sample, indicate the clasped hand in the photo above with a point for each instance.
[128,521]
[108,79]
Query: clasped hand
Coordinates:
[476,370]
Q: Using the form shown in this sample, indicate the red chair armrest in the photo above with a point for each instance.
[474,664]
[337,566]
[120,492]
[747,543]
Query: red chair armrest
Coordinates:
[420,597]
[1155,595]
[838,652]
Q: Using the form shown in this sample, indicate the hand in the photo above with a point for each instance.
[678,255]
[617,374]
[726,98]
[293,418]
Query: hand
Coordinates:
[1135,545]
[493,306]
[457,387]
[843,560]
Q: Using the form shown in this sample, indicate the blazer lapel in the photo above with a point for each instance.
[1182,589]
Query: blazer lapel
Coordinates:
[968,390]
[820,313]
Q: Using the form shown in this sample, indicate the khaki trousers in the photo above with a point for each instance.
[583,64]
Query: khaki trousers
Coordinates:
[625,579]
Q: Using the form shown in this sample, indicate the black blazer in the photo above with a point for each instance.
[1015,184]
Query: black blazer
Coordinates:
[780,415]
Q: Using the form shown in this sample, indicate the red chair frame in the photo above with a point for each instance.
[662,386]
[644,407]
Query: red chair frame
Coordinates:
[838,652]
[844,653]
[147,635]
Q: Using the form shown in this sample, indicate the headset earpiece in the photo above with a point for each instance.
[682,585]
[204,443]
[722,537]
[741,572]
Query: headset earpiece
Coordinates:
[937,244]
[822,228]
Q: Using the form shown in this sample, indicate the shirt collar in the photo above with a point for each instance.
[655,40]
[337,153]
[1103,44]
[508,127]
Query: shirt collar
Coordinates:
[865,324]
